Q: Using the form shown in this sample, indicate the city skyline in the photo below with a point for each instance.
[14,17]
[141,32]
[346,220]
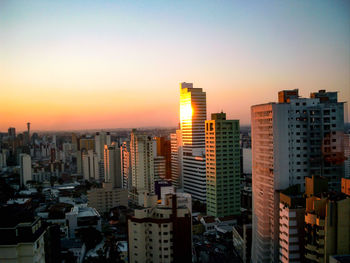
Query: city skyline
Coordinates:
[75,66]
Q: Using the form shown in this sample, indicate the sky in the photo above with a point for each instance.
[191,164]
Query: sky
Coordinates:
[67,65]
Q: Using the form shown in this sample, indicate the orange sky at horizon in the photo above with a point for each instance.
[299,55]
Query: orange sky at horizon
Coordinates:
[75,65]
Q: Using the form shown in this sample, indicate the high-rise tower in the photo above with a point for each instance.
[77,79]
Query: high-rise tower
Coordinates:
[222,166]
[193,113]
[294,138]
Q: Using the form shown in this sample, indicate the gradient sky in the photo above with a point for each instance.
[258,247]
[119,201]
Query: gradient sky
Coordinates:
[109,64]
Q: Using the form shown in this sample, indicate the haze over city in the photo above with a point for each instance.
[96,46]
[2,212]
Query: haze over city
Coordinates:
[115,64]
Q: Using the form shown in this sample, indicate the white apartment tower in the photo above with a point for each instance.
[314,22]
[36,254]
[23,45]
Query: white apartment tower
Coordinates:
[126,164]
[193,113]
[142,164]
[25,168]
[90,165]
[112,161]
[292,139]
[101,139]
[176,158]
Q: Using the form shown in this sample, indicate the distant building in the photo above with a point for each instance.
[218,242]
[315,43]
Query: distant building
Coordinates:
[142,165]
[82,216]
[176,158]
[164,150]
[159,168]
[25,162]
[112,165]
[105,198]
[126,165]
[90,165]
[87,143]
[101,139]
[193,113]
[160,234]
[222,166]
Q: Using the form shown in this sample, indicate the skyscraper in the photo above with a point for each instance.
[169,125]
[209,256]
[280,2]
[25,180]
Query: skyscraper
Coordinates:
[112,163]
[222,166]
[142,148]
[25,168]
[294,138]
[193,113]
[90,165]
[126,165]
[101,139]
[176,158]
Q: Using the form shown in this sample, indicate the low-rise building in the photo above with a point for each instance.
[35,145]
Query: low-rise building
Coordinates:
[107,197]
[82,216]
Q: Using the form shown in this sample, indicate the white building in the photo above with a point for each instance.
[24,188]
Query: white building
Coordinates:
[25,162]
[193,113]
[82,216]
[142,164]
[90,165]
[101,139]
[112,165]
[176,158]
[107,197]
[294,138]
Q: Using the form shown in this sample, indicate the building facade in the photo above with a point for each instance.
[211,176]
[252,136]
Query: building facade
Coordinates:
[291,139]
[142,165]
[176,158]
[160,233]
[222,166]
[25,168]
[193,113]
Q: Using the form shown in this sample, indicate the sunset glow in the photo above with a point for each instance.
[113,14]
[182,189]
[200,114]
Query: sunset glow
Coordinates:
[116,64]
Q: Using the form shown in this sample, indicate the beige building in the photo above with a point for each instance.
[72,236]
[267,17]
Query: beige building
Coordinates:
[107,197]
[160,233]
[142,150]
[327,226]
[22,241]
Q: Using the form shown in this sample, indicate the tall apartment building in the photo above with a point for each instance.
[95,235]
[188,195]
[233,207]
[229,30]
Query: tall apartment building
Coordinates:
[164,150]
[222,166]
[87,144]
[90,165]
[25,174]
[112,165]
[126,165]
[291,139]
[101,139]
[176,158]
[161,233]
[193,113]
[142,164]
[159,167]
